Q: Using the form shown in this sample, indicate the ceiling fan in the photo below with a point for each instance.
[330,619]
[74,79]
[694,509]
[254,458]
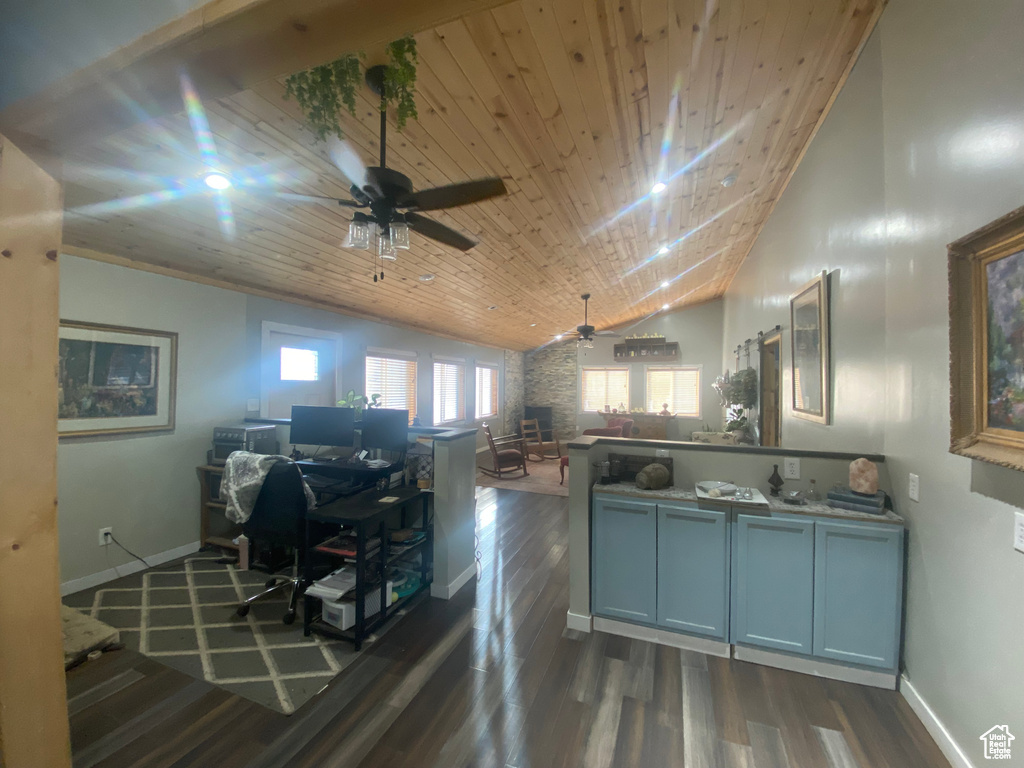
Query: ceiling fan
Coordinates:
[587,332]
[394,207]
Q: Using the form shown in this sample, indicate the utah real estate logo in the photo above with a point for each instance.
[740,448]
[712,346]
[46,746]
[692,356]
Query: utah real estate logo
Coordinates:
[997,742]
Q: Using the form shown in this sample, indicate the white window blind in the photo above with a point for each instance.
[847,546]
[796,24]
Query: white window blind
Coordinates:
[449,392]
[394,380]
[486,391]
[678,387]
[604,387]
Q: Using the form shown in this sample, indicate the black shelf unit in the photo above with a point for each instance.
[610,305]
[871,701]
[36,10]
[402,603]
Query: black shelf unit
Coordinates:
[652,349]
[366,515]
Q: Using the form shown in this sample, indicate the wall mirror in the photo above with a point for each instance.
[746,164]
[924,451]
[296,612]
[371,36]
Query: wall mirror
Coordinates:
[810,342]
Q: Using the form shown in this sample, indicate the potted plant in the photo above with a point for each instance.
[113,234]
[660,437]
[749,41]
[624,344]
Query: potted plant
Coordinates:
[352,400]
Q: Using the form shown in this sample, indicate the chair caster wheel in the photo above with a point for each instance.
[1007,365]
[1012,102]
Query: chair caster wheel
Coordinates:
[289,618]
[270,583]
[243,610]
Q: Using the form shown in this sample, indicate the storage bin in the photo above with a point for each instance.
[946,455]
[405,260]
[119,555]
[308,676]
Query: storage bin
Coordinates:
[342,613]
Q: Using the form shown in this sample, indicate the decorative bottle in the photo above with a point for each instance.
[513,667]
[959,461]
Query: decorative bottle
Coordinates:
[812,493]
[775,481]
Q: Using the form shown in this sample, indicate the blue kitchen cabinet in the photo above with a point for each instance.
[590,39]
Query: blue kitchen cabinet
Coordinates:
[858,588]
[773,582]
[623,559]
[693,570]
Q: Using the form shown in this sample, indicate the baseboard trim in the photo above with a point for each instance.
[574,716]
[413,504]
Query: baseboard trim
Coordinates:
[134,566]
[817,667]
[582,622]
[662,636]
[447,592]
[934,726]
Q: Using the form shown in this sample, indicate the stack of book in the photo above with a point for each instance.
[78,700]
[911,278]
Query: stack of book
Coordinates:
[345,544]
[333,585]
[844,498]
[404,540]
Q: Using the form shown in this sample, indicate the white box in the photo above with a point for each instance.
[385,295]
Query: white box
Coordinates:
[342,613]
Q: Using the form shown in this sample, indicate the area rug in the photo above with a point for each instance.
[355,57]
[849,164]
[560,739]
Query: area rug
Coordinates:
[183,615]
[543,478]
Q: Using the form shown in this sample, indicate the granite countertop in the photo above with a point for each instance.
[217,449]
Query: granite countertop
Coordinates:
[816,509]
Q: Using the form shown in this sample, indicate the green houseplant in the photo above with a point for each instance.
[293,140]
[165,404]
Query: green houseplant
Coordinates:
[352,400]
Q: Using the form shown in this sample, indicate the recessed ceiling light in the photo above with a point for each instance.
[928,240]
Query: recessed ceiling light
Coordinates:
[533,325]
[426,278]
[663,250]
[665,306]
[217,181]
[665,283]
[493,306]
[729,180]
[658,188]
[558,337]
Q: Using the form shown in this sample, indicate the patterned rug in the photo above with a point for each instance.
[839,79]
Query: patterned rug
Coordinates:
[183,615]
[543,478]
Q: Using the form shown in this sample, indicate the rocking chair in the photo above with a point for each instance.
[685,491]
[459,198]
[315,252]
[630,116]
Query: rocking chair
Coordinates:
[536,445]
[508,453]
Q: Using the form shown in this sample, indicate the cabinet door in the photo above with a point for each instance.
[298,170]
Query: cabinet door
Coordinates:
[772,593]
[693,570]
[623,559]
[858,588]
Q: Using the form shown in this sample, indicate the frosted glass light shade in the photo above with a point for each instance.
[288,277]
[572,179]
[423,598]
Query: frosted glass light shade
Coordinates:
[400,235]
[358,235]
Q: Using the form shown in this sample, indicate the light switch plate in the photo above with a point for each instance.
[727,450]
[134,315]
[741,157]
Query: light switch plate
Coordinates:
[914,487]
[791,469]
[1018,531]
[252,404]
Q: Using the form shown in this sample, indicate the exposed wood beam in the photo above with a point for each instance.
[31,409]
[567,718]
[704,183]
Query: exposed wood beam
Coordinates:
[225,46]
[33,702]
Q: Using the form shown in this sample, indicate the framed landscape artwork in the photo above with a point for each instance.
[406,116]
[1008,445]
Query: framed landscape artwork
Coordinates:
[809,311]
[986,342]
[114,380]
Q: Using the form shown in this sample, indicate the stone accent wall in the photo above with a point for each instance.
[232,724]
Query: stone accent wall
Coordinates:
[512,411]
[550,379]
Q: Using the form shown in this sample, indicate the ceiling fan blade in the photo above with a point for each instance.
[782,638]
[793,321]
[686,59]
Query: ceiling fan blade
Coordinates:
[454,195]
[347,161]
[291,197]
[607,333]
[437,231]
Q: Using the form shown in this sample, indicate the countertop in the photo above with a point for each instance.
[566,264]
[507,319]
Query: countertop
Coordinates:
[815,509]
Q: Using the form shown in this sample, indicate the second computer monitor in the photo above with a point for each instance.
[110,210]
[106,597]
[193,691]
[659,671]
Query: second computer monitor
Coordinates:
[385,428]
[322,425]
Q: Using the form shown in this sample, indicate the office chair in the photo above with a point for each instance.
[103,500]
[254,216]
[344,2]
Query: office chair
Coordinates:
[278,520]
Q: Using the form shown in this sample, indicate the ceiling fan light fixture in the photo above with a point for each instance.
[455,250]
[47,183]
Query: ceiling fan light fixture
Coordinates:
[659,187]
[359,232]
[400,234]
[385,248]
[585,343]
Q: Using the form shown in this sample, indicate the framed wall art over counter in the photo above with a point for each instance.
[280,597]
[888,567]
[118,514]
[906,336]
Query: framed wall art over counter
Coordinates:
[809,315]
[114,380]
[986,342]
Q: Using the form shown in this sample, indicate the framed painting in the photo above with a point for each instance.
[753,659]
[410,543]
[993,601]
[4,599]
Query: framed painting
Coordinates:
[114,380]
[986,342]
[809,310]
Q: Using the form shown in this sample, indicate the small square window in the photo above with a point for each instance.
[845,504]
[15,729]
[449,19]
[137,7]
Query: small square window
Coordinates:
[299,364]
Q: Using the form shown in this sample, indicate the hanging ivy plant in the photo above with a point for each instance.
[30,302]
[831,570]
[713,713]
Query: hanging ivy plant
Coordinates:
[322,91]
[400,78]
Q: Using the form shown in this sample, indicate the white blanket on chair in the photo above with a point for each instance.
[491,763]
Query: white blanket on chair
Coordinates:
[244,474]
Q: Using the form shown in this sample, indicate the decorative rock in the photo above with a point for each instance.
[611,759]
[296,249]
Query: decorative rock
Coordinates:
[653,477]
[864,477]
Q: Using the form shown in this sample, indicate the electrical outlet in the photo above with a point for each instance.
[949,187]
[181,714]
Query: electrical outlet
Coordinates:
[1018,531]
[661,453]
[914,487]
[105,534]
[252,404]
[791,469]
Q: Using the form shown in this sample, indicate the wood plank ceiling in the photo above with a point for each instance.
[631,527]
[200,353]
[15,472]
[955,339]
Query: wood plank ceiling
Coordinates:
[580,105]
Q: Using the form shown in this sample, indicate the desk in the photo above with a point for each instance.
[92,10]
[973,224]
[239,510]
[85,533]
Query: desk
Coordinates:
[367,516]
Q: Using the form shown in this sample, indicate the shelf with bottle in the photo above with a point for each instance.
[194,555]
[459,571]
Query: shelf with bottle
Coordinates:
[646,348]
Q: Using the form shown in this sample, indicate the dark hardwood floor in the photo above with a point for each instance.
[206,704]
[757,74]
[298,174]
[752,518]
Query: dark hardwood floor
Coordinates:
[493,678]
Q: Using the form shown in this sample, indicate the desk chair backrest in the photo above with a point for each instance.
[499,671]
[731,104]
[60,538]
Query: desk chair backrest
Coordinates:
[279,515]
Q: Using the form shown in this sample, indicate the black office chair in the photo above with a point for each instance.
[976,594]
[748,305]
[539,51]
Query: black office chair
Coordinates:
[278,520]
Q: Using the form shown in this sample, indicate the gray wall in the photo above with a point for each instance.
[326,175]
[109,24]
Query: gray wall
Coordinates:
[145,486]
[934,106]
[699,333]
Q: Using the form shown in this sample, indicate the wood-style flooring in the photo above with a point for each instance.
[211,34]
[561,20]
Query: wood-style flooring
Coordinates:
[493,678]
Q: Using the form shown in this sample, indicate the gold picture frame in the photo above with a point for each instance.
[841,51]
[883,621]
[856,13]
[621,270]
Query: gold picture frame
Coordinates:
[115,380]
[986,328]
[809,351]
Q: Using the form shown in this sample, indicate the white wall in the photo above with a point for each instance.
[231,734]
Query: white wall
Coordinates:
[145,486]
[699,333]
[924,144]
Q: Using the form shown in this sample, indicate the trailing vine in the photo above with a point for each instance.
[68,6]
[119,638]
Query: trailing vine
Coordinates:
[322,91]
[400,78]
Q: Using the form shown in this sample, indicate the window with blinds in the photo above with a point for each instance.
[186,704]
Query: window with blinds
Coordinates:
[394,380]
[486,391]
[604,387]
[449,393]
[678,387]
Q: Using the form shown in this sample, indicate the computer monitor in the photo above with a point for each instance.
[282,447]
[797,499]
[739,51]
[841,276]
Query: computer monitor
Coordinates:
[386,429]
[322,425]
